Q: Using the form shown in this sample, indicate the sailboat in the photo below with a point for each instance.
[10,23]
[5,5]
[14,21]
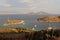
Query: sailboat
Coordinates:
[34,27]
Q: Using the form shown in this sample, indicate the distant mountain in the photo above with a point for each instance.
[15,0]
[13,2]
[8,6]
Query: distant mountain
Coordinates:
[39,13]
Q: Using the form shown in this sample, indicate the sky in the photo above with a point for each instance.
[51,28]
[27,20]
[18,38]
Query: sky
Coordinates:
[26,6]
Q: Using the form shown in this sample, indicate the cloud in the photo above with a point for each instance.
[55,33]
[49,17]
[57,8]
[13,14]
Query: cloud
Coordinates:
[44,2]
[33,9]
[27,1]
[4,3]
[30,5]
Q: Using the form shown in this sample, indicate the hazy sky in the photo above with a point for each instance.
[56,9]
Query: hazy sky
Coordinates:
[25,6]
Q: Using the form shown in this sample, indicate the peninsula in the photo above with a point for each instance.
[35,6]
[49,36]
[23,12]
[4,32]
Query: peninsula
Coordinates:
[49,19]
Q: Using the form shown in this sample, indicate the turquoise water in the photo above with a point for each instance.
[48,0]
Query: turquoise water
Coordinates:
[30,21]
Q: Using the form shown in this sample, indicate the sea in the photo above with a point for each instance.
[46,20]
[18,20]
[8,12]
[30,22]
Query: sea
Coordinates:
[30,21]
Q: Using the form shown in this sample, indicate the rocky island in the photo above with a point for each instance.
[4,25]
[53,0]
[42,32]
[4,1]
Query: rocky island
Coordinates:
[12,22]
[49,19]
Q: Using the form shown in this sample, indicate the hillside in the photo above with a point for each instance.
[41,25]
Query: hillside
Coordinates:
[16,30]
[49,34]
